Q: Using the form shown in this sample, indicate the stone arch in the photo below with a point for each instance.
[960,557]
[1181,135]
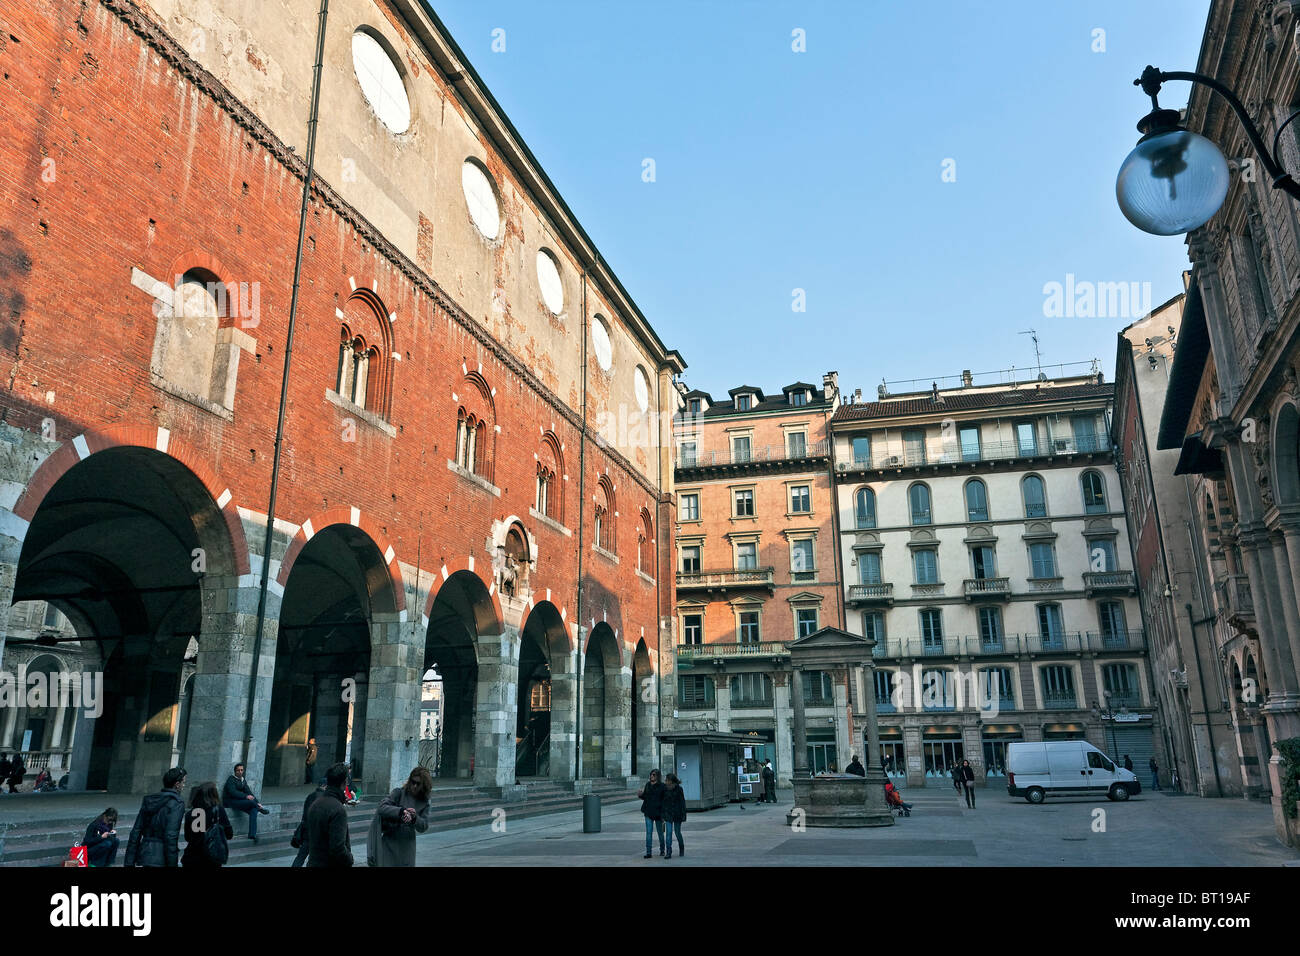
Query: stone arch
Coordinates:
[606,706]
[131,536]
[388,587]
[547,686]
[1286,453]
[645,703]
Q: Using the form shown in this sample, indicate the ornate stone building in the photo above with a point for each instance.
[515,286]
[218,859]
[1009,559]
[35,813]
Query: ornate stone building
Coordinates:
[474,466]
[1233,405]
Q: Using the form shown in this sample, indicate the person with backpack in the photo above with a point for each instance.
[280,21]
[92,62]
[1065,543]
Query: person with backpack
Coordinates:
[652,808]
[101,841]
[299,839]
[156,833]
[207,830]
[674,813]
[403,814]
[327,823]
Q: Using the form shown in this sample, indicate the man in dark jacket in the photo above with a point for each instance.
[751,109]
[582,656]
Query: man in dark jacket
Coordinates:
[157,828]
[300,833]
[327,823]
[238,795]
[856,768]
[652,808]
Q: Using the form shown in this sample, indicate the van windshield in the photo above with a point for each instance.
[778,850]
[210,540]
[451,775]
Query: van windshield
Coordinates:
[1099,762]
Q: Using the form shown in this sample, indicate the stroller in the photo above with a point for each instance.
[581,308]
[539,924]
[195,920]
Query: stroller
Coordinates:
[895,801]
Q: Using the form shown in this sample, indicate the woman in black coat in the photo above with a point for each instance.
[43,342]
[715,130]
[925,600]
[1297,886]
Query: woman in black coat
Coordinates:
[205,813]
[674,812]
[652,808]
[101,841]
[966,774]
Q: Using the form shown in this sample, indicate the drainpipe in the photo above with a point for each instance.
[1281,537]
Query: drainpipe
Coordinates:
[582,524]
[1205,702]
[659,585]
[312,122]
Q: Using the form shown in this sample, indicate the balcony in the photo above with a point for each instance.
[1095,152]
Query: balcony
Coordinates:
[1235,601]
[985,589]
[1060,700]
[718,652]
[1061,642]
[940,453]
[727,579]
[1115,641]
[1109,582]
[766,454]
[1128,701]
[861,595]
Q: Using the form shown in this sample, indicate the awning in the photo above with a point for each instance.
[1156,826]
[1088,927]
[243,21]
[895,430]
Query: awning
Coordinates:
[942,731]
[1002,730]
[1197,458]
[1185,376]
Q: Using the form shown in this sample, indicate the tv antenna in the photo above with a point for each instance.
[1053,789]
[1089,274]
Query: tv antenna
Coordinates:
[1038,355]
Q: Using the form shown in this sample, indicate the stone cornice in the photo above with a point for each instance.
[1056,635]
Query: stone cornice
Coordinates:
[171,51]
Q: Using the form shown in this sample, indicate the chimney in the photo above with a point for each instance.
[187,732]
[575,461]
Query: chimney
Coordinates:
[857,396]
[967,380]
[831,385]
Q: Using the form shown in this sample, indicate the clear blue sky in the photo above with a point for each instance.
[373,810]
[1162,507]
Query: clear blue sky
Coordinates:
[821,170]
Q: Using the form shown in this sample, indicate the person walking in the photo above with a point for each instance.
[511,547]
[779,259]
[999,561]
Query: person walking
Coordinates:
[966,773]
[157,829]
[238,795]
[207,830]
[956,777]
[674,813]
[327,823]
[101,840]
[1128,762]
[769,782]
[17,770]
[299,839]
[652,808]
[311,760]
[1155,774]
[855,767]
[401,815]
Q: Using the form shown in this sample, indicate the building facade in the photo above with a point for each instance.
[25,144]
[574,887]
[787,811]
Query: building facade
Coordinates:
[470,445]
[757,567]
[1184,632]
[984,549]
[1233,403]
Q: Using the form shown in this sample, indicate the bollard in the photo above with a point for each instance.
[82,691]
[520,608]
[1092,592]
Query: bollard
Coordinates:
[591,813]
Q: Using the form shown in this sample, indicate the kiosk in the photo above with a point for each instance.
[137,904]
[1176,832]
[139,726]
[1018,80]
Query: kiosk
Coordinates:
[707,762]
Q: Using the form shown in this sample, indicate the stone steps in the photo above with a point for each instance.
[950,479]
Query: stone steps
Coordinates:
[46,842]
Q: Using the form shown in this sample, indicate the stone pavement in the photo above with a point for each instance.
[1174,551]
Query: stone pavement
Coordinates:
[1148,830]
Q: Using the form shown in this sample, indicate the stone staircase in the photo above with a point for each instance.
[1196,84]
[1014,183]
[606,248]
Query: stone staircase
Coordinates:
[46,842]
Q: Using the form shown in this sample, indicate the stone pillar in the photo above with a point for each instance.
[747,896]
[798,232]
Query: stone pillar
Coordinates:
[845,745]
[800,755]
[391,734]
[722,698]
[225,664]
[869,717]
[618,723]
[496,703]
[783,762]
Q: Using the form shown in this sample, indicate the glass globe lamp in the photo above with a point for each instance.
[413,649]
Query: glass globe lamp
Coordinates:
[1174,180]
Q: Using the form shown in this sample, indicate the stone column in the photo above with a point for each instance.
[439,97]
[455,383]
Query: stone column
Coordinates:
[391,733]
[783,762]
[800,762]
[618,723]
[225,664]
[564,703]
[722,698]
[845,745]
[868,702]
[496,704]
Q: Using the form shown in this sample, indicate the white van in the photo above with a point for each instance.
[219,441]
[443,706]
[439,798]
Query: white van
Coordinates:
[1066,768]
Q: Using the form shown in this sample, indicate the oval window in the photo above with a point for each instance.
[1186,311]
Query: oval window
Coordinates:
[600,342]
[381,83]
[548,279]
[481,199]
[641,386]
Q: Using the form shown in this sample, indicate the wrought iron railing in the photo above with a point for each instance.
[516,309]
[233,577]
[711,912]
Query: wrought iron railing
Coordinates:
[687,652]
[944,453]
[726,577]
[765,453]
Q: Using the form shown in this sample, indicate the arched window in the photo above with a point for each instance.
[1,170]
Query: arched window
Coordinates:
[545,480]
[644,544]
[550,468]
[1035,493]
[919,498]
[466,439]
[476,427]
[606,515]
[1094,492]
[977,500]
[864,508]
[365,368]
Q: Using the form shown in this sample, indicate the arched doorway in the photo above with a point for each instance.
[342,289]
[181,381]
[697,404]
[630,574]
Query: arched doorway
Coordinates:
[606,707]
[645,707]
[337,585]
[544,708]
[124,543]
[461,615]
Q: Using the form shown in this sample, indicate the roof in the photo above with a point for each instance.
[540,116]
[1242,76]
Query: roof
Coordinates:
[957,401]
[1185,376]
[699,393]
[774,403]
[742,389]
[799,387]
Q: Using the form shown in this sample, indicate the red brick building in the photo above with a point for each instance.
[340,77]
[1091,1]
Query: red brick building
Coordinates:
[474,462]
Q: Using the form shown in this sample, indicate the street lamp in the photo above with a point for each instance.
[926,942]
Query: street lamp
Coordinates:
[1107,714]
[1176,180]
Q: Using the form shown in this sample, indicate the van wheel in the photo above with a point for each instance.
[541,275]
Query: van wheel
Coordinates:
[1035,795]
[1118,792]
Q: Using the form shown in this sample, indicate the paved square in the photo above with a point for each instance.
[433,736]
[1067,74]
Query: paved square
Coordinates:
[1149,830]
